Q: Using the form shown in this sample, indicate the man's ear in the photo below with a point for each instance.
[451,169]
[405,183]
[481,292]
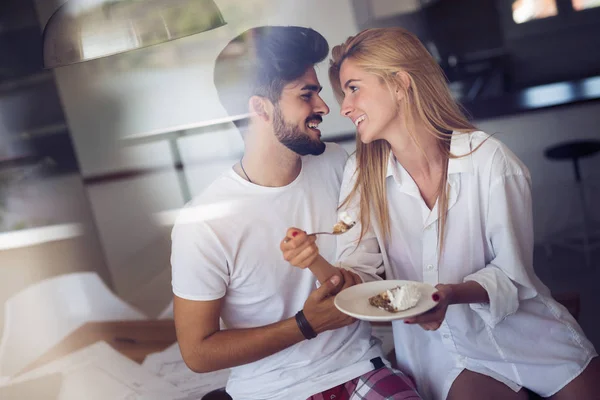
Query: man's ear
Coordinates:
[261,107]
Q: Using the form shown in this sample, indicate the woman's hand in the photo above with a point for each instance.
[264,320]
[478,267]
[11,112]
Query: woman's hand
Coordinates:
[299,249]
[432,319]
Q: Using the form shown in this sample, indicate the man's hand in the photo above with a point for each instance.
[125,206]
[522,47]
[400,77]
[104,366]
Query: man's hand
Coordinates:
[432,319]
[299,249]
[319,309]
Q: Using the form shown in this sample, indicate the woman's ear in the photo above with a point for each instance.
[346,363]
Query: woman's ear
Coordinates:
[261,107]
[402,84]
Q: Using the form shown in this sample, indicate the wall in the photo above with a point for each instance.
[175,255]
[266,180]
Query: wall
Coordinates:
[386,8]
[555,196]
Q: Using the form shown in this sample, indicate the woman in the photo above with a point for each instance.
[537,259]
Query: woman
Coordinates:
[439,202]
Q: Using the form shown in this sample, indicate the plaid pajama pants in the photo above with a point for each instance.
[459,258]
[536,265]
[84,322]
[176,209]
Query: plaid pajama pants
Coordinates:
[380,384]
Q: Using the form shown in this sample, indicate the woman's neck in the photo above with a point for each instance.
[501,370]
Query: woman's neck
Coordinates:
[420,154]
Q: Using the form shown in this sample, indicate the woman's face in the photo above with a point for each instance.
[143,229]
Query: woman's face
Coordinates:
[369,103]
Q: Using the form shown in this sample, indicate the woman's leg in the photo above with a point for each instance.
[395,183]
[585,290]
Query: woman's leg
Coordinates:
[471,385]
[585,386]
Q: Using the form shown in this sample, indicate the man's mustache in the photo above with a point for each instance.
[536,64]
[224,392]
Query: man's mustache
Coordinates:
[315,117]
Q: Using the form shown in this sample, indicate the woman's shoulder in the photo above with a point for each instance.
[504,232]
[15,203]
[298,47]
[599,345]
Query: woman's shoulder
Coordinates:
[350,168]
[490,154]
[351,162]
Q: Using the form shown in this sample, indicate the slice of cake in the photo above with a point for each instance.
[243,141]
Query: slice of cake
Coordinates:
[397,299]
[346,222]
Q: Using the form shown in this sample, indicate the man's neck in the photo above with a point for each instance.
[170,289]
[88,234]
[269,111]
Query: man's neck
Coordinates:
[269,164]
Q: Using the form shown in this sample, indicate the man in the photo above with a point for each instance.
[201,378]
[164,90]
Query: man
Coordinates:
[285,338]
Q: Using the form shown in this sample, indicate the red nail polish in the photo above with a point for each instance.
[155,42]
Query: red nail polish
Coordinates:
[435,297]
[294,234]
[407,322]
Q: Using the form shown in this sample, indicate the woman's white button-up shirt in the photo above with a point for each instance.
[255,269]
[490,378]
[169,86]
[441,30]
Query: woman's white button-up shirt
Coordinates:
[522,337]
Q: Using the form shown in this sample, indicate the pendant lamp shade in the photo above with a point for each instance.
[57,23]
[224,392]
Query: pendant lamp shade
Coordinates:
[83,30]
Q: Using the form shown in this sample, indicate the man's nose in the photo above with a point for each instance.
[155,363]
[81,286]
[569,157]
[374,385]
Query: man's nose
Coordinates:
[321,107]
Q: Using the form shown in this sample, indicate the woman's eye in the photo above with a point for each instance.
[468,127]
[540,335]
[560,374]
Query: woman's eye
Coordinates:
[352,89]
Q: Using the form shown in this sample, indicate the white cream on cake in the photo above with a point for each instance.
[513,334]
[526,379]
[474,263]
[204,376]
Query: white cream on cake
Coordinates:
[346,218]
[346,222]
[404,297]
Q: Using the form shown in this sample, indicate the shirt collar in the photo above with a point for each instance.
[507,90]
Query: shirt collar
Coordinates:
[401,177]
[392,168]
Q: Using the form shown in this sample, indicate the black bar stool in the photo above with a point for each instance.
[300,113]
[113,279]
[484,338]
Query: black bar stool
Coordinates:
[589,238]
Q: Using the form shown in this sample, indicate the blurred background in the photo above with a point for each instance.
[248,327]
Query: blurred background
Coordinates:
[97,157]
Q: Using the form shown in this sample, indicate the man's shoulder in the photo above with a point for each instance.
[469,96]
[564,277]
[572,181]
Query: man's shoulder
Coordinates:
[334,156]
[336,152]
[330,164]
[221,187]
[210,203]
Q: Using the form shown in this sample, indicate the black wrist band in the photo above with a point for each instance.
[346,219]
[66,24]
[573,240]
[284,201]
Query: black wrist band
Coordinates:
[304,326]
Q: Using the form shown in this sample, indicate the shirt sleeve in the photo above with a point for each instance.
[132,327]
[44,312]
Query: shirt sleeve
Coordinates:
[509,277]
[199,268]
[365,259]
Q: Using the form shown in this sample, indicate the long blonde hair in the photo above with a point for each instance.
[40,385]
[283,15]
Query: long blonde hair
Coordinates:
[384,52]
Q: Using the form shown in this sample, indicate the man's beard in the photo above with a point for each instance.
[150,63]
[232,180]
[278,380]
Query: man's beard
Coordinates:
[292,137]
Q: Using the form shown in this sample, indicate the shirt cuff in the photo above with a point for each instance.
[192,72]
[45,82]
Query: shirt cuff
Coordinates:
[502,292]
[318,284]
[364,276]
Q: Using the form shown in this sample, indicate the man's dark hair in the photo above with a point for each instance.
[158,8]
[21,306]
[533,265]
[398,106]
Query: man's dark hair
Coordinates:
[262,60]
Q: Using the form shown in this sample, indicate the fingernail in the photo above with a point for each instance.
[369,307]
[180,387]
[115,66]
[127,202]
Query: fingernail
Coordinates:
[407,322]
[335,279]
[435,297]
[294,233]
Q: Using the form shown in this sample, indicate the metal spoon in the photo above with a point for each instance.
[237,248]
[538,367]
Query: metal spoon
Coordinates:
[338,229]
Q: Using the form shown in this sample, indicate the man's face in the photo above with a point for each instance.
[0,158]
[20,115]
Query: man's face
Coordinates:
[298,114]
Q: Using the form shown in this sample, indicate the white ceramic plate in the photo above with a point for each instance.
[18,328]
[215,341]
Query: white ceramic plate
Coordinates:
[354,301]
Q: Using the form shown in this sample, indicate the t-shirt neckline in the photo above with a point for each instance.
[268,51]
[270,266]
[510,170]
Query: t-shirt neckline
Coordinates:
[255,186]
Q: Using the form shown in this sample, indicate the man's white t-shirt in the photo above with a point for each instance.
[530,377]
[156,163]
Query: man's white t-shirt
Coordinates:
[226,244]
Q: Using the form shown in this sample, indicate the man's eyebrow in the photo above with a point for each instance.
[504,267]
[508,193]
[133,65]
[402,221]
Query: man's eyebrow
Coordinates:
[349,81]
[314,88]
